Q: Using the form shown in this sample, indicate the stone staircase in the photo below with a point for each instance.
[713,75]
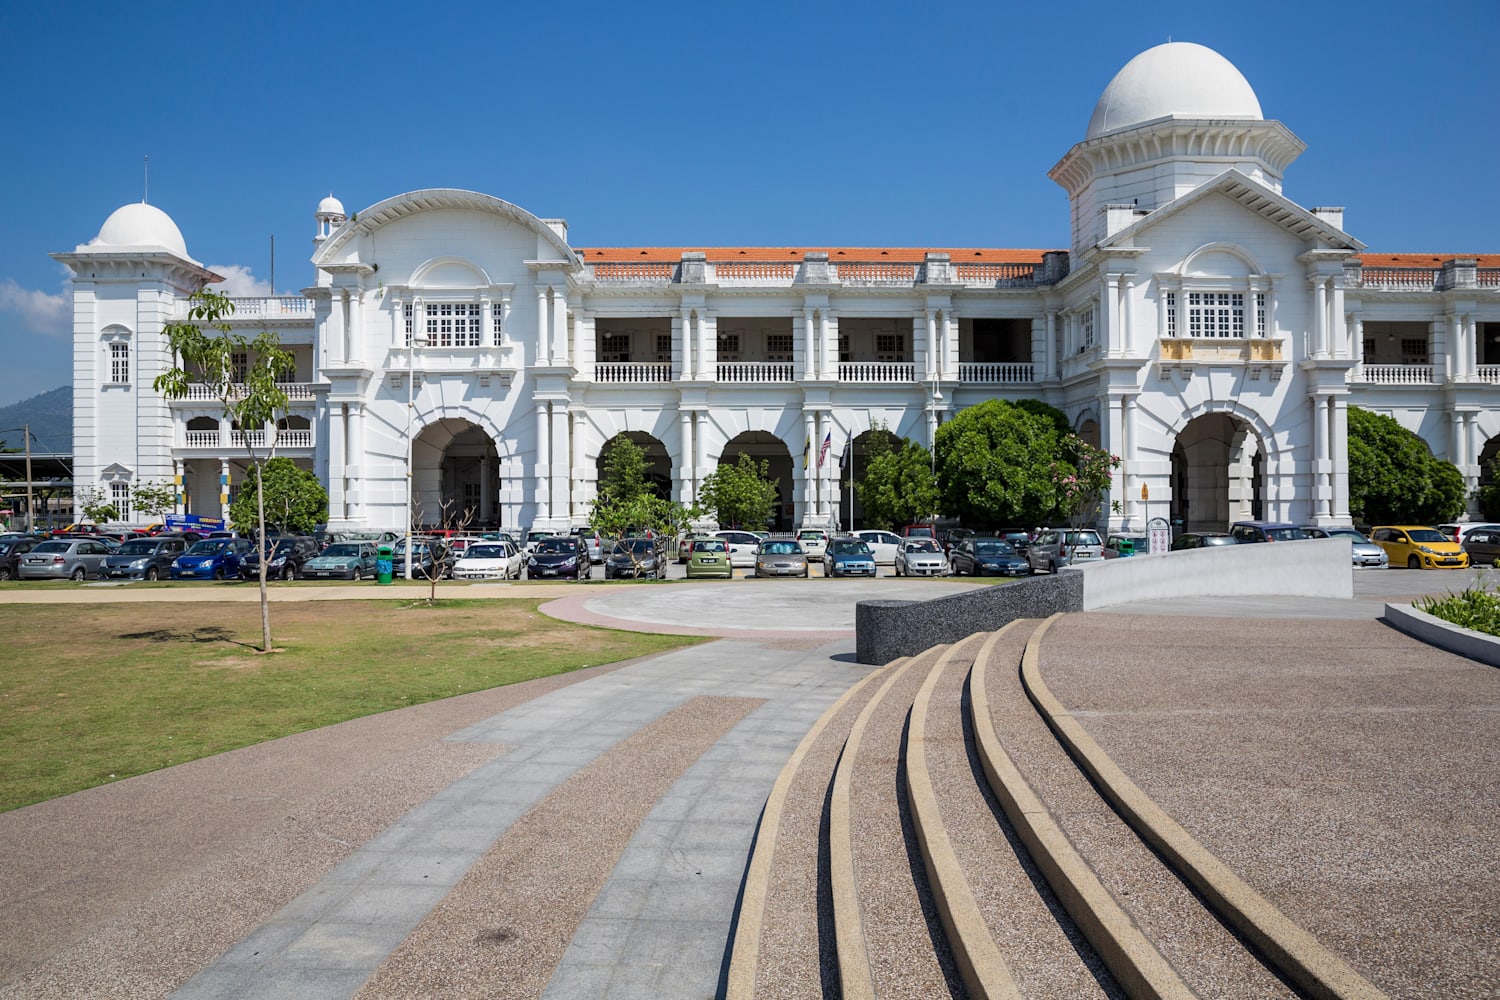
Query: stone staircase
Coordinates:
[947,830]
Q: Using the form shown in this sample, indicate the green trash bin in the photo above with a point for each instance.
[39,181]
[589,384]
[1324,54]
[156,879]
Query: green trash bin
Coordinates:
[383,563]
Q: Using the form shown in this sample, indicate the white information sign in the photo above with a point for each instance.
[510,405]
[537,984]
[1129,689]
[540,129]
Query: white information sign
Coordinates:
[1159,535]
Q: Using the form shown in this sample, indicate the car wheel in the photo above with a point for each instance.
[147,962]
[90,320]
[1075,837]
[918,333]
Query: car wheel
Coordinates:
[80,574]
[1412,562]
[357,575]
[152,574]
[219,573]
[4,572]
[289,573]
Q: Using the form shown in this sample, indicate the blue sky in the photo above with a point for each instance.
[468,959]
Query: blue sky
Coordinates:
[870,124]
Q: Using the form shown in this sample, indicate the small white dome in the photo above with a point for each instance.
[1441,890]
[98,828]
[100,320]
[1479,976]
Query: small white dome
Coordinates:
[141,225]
[330,206]
[1178,79]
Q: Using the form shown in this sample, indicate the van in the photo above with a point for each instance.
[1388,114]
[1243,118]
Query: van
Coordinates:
[1265,531]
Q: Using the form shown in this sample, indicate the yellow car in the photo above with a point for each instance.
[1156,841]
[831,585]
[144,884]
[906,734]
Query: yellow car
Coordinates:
[1419,547]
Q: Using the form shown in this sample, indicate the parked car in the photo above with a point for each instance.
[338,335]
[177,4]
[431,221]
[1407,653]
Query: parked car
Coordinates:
[742,546]
[1458,532]
[848,557]
[484,560]
[883,545]
[1362,551]
[534,538]
[953,536]
[1265,531]
[921,557]
[814,542]
[427,561]
[1017,538]
[1202,539]
[560,556]
[987,555]
[211,559]
[781,557]
[1419,547]
[685,545]
[65,559]
[594,542]
[919,531]
[285,557]
[710,558]
[342,561]
[1482,543]
[148,558]
[1055,548]
[1125,543]
[634,559]
[11,551]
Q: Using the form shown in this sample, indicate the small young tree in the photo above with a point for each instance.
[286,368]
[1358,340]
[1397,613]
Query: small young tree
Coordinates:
[154,499]
[96,505]
[251,396]
[452,519]
[740,494]
[622,475]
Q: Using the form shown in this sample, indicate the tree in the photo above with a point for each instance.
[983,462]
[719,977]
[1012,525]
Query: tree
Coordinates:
[644,512]
[250,394]
[898,486]
[1003,464]
[1489,493]
[154,499]
[1083,480]
[96,505]
[742,494]
[1393,476]
[623,474]
[294,500]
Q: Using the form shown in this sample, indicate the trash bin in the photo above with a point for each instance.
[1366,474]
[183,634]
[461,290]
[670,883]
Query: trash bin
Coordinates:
[383,564]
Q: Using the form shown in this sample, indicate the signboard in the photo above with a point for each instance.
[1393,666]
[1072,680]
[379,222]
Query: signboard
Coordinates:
[193,522]
[1159,534]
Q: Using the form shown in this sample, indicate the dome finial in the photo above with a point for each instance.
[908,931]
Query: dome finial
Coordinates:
[146,179]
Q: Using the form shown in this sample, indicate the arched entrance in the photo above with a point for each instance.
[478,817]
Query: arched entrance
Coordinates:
[455,476]
[1218,465]
[764,445]
[658,473]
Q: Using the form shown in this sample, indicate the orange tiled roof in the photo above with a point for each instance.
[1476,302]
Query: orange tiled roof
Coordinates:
[905,255]
[1425,259]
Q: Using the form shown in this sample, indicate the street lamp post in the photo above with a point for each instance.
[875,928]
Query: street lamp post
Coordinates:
[411,449]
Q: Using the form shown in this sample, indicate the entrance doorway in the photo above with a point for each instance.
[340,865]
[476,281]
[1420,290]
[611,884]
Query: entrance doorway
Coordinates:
[1217,474]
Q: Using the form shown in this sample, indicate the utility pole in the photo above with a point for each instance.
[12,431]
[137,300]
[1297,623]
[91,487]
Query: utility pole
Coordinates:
[30,514]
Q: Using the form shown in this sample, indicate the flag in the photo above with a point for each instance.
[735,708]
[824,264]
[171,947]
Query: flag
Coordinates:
[823,451]
[806,451]
[844,455]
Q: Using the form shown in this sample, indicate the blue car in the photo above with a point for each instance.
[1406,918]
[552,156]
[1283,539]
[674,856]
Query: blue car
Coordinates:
[848,557]
[211,559]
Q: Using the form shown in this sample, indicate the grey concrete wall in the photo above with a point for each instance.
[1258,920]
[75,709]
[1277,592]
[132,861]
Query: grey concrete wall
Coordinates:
[1317,567]
[1444,635]
[887,630]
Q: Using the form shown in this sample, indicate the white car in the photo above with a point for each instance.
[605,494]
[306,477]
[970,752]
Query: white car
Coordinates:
[814,542]
[484,560]
[742,546]
[882,544]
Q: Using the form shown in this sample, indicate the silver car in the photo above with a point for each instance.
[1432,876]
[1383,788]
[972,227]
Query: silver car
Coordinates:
[65,559]
[1055,548]
[921,557]
[1363,551]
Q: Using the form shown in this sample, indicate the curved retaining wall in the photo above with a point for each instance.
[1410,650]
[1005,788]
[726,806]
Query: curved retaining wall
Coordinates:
[1319,567]
[1444,635]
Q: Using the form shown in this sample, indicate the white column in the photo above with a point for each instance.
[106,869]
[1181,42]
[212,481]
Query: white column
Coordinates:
[809,335]
[578,472]
[543,470]
[543,342]
[398,322]
[685,460]
[1460,349]
[705,358]
[335,339]
[355,456]
[561,501]
[685,330]
[1339,449]
[700,448]
[337,459]
[932,345]
[827,368]
[1339,334]
[559,326]
[809,486]
[486,322]
[1106,335]
[1049,352]
[1320,318]
[356,325]
[1122,311]
[504,337]
[1457,455]
[949,352]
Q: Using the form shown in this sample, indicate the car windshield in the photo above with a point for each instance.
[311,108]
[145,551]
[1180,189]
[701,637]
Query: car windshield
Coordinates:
[635,546]
[923,545]
[1083,538]
[850,549]
[137,547]
[208,547]
[485,552]
[343,550]
[557,545]
[811,536]
[780,549]
[713,546]
[993,549]
[52,547]
[1347,533]
[1427,535]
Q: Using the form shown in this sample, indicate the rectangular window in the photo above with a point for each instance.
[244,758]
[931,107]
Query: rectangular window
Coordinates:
[409,313]
[239,366]
[1216,314]
[729,347]
[663,348]
[1087,323]
[119,495]
[1260,314]
[119,363]
[452,324]
[1171,314]
[614,347]
[779,347]
[1413,350]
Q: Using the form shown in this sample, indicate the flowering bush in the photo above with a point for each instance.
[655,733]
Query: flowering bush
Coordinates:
[1083,482]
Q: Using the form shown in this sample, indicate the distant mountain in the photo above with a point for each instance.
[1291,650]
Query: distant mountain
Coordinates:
[50,416]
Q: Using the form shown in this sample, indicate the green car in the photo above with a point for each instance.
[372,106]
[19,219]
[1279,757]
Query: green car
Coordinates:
[709,558]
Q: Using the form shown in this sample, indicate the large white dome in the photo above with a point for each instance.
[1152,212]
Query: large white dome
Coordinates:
[1178,79]
[141,225]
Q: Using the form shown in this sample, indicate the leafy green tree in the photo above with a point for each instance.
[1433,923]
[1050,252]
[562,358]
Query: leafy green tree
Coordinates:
[898,487]
[294,500]
[154,499]
[622,477]
[644,512]
[1002,464]
[741,494]
[1489,493]
[1394,477]
[205,347]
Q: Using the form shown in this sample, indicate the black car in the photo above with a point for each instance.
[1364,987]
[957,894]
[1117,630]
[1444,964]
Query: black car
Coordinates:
[562,556]
[987,556]
[635,558]
[11,550]
[1202,539]
[285,557]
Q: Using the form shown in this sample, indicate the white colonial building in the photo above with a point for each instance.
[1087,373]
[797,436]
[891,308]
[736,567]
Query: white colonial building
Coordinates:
[455,348]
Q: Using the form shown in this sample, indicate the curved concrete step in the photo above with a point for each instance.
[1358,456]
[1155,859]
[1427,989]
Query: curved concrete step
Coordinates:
[1295,953]
[891,943]
[783,943]
[1008,932]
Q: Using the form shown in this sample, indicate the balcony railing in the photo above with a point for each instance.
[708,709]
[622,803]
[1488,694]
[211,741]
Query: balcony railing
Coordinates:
[853,272]
[632,371]
[1420,278]
[1395,374]
[1488,374]
[876,371]
[634,271]
[1487,277]
[1006,372]
[296,392]
[201,439]
[293,307]
[1001,275]
[297,437]
[754,272]
[755,371]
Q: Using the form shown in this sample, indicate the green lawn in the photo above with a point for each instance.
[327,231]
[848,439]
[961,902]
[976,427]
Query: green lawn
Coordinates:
[93,693]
